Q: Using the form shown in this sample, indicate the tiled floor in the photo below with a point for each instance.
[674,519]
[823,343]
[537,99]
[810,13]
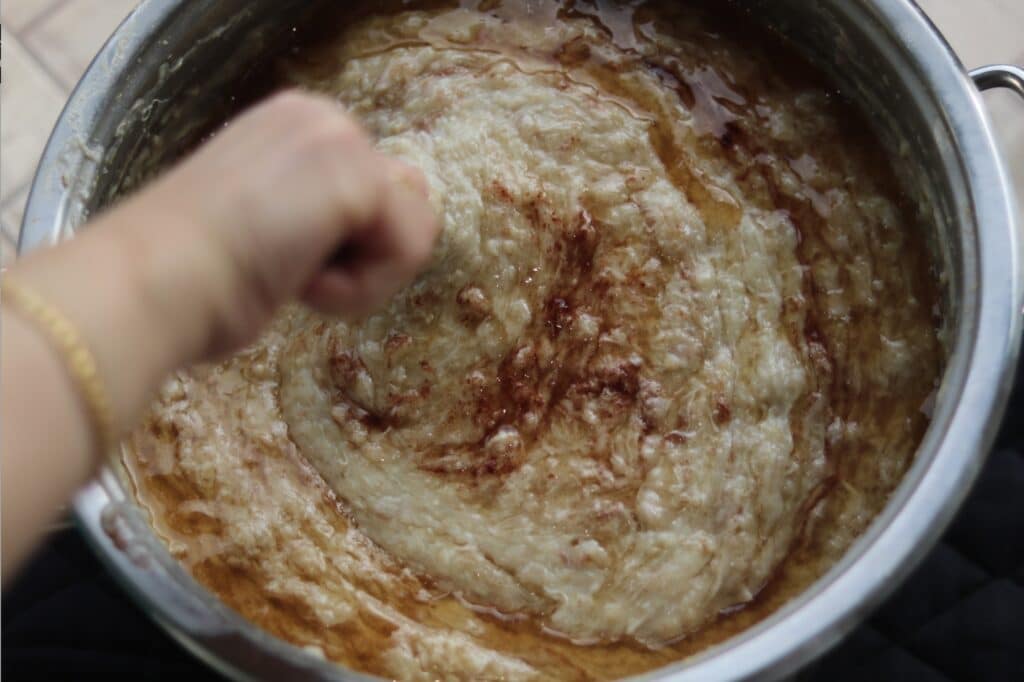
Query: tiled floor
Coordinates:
[47,44]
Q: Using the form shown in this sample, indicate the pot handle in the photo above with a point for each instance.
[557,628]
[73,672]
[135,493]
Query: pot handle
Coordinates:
[999,76]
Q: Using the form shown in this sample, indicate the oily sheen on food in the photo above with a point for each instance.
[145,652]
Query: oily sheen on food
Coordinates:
[668,360]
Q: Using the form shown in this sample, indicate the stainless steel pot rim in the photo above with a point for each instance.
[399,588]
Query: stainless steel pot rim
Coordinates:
[980,374]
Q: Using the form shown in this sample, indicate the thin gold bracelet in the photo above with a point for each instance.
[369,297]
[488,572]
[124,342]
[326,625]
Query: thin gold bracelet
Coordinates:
[78,359]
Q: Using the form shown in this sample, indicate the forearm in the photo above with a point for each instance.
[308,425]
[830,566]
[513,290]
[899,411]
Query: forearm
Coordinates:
[125,287]
[45,436]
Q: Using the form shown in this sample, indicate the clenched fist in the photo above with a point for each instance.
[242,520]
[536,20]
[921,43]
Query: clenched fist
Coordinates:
[292,200]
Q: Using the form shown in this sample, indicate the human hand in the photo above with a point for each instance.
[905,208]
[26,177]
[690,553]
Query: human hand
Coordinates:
[278,192]
[192,267]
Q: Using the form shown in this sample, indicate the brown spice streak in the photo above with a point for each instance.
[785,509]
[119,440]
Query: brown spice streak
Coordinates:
[533,379]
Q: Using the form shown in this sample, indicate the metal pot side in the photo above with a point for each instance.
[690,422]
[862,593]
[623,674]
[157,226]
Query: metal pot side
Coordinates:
[170,70]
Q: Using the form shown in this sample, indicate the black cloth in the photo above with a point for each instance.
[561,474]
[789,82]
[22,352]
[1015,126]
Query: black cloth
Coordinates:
[959,617]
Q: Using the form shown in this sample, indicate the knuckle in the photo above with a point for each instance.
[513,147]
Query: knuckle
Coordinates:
[333,141]
[313,112]
[420,181]
[314,140]
[420,243]
[410,178]
[344,131]
[320,143]
[292,103]
[355,198]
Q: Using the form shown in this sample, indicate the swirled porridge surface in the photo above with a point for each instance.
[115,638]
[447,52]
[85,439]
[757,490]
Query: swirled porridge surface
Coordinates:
[668,360]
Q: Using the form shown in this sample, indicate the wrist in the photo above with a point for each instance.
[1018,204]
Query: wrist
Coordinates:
[85,280]
[191,273]
[156,258]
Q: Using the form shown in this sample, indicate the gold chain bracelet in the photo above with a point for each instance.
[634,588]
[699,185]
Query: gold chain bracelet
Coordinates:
[78,359]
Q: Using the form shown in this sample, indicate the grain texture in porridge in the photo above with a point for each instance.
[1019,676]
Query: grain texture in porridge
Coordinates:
[667,362]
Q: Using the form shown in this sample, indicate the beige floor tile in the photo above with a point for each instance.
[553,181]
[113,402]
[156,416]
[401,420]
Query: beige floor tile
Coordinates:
[68,38]
[11,212]
[8,250]
[15,14]
[987,32]
[31,102]
[981,31]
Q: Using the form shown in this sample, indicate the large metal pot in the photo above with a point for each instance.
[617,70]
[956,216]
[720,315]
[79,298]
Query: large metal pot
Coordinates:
[175,66]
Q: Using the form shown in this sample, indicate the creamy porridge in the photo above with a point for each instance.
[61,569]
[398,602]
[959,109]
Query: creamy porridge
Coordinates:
[671,355]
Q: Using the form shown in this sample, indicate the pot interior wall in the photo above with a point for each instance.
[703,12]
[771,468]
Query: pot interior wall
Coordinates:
[870,64]
[211,58]
[206,62]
